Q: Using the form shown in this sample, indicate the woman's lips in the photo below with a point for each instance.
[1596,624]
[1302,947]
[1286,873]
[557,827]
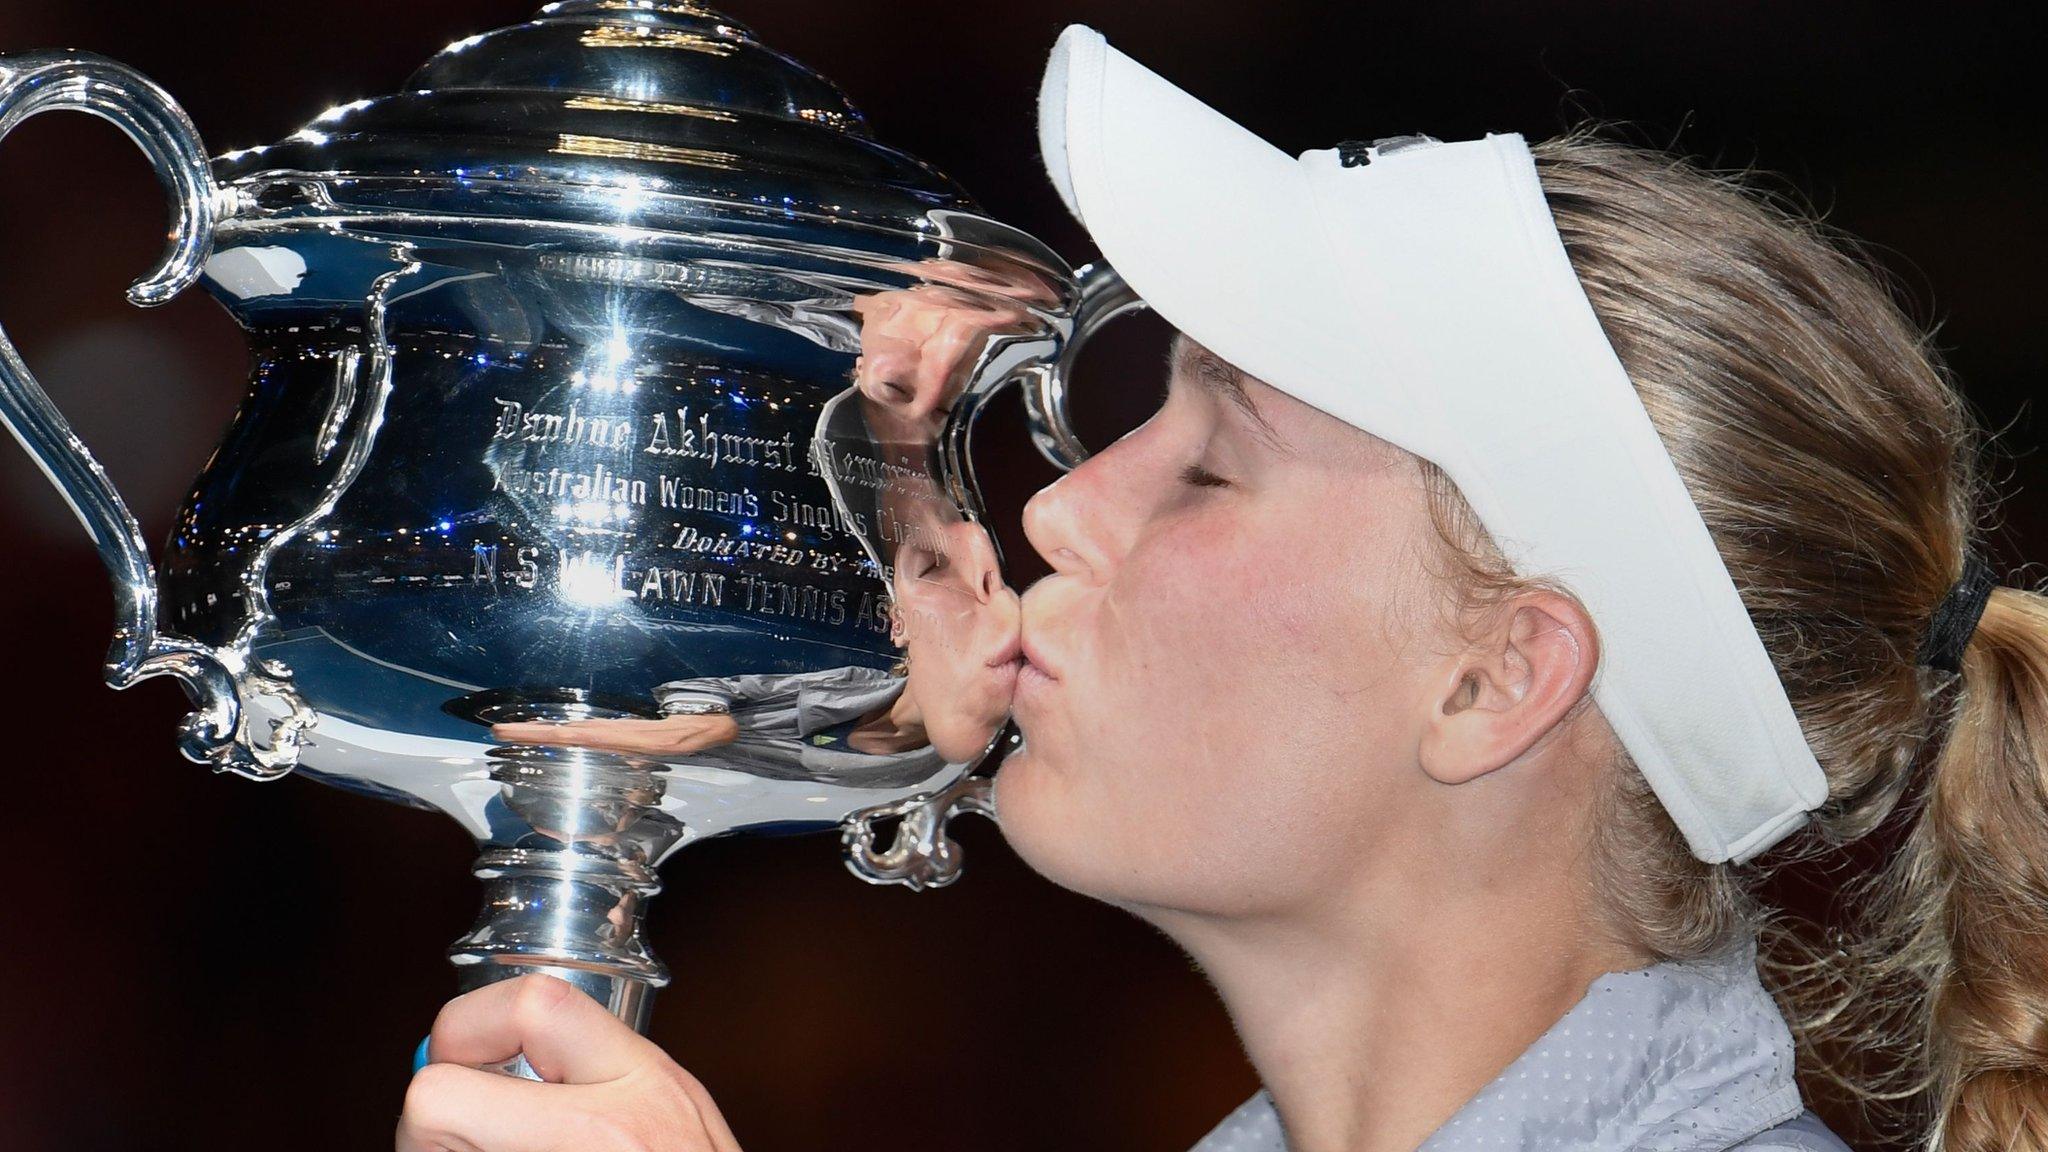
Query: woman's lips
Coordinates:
[1034,663]
[1031,678]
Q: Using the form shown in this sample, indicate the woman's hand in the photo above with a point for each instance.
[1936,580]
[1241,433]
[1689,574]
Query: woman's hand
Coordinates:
[607,1089]
[669,736]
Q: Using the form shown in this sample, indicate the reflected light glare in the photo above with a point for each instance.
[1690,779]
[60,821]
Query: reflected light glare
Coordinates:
[340,110]
[592,581]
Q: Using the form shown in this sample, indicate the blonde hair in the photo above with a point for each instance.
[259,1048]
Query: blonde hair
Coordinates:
[1841,476]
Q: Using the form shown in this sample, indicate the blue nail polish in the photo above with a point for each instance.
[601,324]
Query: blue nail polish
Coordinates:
[420,1059]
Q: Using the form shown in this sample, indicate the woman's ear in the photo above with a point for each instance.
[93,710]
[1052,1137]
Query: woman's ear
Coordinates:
[1515,683]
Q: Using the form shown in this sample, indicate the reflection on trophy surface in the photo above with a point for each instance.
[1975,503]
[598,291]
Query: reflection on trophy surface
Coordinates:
[602,478]
[949,612]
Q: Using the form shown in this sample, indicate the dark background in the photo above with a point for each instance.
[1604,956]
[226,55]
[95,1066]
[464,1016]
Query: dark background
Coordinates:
[198,962]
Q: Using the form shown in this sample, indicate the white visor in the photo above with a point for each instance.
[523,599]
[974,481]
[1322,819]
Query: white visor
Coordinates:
[1420,291]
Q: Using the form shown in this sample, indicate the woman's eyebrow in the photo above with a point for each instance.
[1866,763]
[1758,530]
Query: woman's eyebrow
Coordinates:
[1197,363]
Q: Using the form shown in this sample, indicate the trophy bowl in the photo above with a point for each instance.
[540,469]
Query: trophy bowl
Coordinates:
[610,371]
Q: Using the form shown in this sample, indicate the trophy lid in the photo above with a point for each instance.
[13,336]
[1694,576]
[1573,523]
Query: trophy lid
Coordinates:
[654,112]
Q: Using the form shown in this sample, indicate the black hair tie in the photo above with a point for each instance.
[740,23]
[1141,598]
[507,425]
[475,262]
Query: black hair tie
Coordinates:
[1955,618]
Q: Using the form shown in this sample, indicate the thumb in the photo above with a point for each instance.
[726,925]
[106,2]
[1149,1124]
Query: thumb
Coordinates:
[567,1036]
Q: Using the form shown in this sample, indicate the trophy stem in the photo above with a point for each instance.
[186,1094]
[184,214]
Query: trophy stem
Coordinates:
[568,915]
[567,870]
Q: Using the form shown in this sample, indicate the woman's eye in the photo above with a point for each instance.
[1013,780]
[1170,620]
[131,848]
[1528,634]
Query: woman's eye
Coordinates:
[1201,477]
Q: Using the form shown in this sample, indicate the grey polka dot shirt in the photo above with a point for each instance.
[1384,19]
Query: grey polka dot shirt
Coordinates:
[1671,1058]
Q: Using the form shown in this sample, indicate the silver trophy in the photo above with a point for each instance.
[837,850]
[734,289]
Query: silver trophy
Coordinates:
[609,370]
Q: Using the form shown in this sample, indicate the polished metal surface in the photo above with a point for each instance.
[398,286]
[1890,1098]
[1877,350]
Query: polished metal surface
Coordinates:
[921,855]
[609,373]
[221,679]
[1104,297]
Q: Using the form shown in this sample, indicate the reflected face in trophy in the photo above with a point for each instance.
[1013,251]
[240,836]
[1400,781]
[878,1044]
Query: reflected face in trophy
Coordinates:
[1220,704]
[954,616]
[957,622]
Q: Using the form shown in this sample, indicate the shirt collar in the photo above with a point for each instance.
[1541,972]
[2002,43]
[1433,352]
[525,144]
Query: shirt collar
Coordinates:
[1683,1057]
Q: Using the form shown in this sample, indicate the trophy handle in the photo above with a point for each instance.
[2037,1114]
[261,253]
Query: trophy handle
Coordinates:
[34,82]
[922,855]
[1104,297]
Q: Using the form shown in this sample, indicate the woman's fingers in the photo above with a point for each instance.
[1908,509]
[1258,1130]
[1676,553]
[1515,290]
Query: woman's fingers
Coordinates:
[450,1108]
[918,344]
[716,1132]
[568,1037]
[609,1088]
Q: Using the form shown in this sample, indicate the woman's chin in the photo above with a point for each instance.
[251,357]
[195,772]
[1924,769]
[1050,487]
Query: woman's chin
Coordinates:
[1042,825]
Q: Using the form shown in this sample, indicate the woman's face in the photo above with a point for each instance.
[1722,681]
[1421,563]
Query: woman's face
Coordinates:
[957,622]
[1223,699]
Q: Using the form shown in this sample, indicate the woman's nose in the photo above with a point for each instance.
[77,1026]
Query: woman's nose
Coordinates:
[1074,524]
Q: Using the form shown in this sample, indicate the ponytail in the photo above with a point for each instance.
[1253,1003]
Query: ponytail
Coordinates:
[1965,902]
